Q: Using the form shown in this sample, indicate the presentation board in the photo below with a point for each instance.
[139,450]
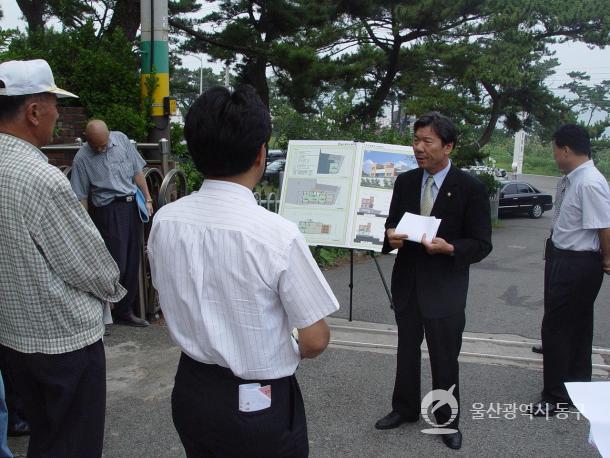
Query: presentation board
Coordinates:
[338,192]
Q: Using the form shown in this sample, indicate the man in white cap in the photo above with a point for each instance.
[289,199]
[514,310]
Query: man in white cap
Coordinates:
[55,274]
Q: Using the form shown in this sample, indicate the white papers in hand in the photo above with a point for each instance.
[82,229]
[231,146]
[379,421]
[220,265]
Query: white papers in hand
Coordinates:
[254,397]
[107,315]
[592,399]
[415,226]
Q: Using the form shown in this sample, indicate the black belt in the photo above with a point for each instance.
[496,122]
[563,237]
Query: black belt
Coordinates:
[130,198]
[573,254]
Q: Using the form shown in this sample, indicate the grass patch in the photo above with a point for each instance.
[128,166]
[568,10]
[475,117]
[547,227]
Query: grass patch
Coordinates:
[538,156]
[329,257]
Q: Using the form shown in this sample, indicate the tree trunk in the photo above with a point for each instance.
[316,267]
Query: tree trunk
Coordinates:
[33,11]
[489,130]
[126,16]
[497,102]
[370,112]
[254,74]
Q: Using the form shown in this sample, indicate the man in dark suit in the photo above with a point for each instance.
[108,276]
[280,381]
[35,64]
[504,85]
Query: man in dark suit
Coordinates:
[430,279]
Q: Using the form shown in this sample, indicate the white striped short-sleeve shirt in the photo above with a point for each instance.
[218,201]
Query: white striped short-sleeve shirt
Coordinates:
[234,279]
[585,210]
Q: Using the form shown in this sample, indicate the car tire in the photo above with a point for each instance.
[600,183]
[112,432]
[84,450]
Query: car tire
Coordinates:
[536,211]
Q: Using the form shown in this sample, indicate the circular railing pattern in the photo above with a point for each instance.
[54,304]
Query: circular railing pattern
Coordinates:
[173,187]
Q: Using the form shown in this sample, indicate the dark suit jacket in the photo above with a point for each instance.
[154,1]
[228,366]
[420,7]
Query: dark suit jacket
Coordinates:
[440,282]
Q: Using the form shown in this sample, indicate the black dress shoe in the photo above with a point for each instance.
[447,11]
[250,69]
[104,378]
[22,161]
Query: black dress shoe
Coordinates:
[537,349]
[394,420]
[131,320]
[18,428]
[453,440]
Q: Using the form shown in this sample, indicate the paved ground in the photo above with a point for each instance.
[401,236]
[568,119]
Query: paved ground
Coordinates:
[349,386]
[345,391]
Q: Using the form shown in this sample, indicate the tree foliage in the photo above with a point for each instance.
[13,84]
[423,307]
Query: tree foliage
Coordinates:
[103,72]
[478,61]
[481,62]
[107,15]
[590,100]
[184,85]
[69,12]
[257,34]
[332,123]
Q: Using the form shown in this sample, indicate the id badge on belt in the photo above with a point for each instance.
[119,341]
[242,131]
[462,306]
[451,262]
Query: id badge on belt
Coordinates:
[254,397]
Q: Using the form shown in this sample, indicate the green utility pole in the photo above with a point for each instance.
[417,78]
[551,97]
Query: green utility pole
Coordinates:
[155,64]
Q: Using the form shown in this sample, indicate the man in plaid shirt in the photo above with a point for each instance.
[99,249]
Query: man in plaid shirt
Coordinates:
[55,274]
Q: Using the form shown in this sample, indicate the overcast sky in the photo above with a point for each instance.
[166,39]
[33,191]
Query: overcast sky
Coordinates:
[571,56]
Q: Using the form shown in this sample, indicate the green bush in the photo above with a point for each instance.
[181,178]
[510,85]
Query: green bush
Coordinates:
[538,155]
[126,119]
[182,157]
[332,123]
[491,184]
[600,151]
[104,72]
[329,257]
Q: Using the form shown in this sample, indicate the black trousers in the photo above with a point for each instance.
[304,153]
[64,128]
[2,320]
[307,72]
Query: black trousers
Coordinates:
[14,405]
[444,340]
[209,423]
[121,228]
[572,280]
[64,398]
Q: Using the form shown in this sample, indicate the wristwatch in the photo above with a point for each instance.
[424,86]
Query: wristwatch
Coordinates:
[149,201]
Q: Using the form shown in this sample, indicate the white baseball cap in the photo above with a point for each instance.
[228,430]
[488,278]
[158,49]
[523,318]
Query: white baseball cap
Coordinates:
[25,77]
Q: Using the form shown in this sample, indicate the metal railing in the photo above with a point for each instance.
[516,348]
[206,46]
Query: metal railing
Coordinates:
[166,185]
[164,189]
[271,202]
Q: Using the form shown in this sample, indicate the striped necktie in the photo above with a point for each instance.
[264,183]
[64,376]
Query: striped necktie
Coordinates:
[427,200]
[561,190]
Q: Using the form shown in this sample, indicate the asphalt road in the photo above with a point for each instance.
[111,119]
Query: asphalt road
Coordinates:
[345,392]
[506,288]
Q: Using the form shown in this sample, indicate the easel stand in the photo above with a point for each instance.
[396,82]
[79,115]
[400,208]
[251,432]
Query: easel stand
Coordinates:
[351,280]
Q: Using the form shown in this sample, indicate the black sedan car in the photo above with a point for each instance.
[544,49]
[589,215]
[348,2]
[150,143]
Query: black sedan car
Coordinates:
[273,170]
[275,154]
[521,197]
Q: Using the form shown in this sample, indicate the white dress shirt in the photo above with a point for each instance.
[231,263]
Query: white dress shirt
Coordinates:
[584,210]
[234,279]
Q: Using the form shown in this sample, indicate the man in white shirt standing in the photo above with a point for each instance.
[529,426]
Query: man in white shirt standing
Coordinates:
[234,279]
[577,255]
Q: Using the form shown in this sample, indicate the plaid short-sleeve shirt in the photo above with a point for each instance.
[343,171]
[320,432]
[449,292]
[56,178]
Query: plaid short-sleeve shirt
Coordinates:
[55,271]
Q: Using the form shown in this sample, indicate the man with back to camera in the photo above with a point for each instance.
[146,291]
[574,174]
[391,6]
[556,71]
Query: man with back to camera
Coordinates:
[110,169]
[234,279]
[55,274]
[577,255]
[430,280]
